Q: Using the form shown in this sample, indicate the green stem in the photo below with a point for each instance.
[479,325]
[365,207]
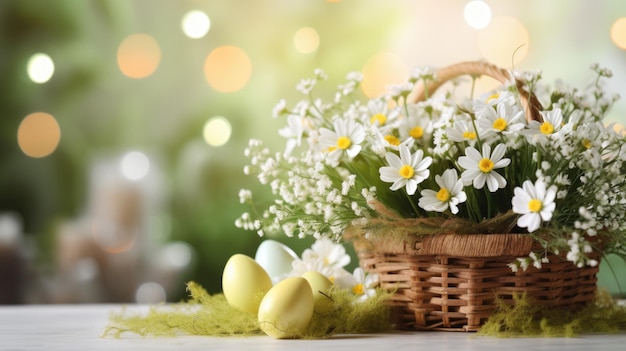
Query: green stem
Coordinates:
[413,205]
[473,86]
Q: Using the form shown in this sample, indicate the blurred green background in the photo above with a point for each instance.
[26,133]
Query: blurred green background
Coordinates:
[128,185]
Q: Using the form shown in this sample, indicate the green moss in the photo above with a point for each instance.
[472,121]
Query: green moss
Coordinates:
[206,314]
[525,319]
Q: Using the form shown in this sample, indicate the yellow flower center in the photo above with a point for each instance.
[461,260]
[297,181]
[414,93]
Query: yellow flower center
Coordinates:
[332,279]
[416,132]
[358,289]
[485,165]
[380,118]
[443,195]
[546,128]
[469,135]
[587,143]
[493,97]
[499,124]
[406,172]
[343,142]
[535,205]
[392,140]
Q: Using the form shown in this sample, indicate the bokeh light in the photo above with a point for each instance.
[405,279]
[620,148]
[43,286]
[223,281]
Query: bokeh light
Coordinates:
[227,69]
[618,33]
[135,165]
[477,14]
[196,24]
[86,269]
[217,131]
[504,42]
[381,70]
[40,68]
[38,135]
[150,293]
[176,255]
[620,129]
[306,40]
[138,56]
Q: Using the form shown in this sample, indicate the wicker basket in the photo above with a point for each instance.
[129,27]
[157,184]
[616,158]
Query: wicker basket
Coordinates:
[450,282]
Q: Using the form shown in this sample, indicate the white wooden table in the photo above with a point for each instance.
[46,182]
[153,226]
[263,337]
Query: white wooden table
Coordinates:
[80,327]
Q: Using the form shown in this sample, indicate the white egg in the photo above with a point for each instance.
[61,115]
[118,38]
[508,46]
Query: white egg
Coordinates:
[275,258]
[244,283]
[287,309]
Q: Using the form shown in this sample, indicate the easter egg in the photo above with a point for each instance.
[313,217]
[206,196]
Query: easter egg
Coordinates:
[275,258]
[244,283]
[286,309]
[320,286]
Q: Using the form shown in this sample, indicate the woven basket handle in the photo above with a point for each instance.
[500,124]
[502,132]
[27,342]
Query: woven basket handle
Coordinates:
[529,101]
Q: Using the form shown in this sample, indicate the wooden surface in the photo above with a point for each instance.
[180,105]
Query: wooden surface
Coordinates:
[80,327]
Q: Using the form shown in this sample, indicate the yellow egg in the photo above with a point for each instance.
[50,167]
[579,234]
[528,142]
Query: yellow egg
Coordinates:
[244,283]
[286,309]
[320,285]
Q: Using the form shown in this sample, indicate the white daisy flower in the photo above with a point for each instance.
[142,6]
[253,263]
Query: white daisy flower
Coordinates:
[361,284]
[551,125]
[502,120]
[462,130]
[416,125]
[293,132]
[480,168]
[300,266]
[331,253]
[450,193]
[347,137]
[379,114]
[491,99]
[535,203]
[408,170]
[389,141]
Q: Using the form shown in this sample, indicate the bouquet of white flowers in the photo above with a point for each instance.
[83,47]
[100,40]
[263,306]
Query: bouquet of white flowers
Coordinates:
[524,159]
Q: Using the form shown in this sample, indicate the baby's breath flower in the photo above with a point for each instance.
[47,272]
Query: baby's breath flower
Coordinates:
[280,108]
[305,86]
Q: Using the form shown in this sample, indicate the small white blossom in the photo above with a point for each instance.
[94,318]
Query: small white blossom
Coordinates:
[280,108]
[245,195]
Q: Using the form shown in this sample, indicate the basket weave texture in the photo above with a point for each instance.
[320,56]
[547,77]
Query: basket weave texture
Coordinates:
[451,282]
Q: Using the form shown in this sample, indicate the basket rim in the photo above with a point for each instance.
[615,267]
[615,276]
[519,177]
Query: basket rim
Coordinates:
[450,244]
